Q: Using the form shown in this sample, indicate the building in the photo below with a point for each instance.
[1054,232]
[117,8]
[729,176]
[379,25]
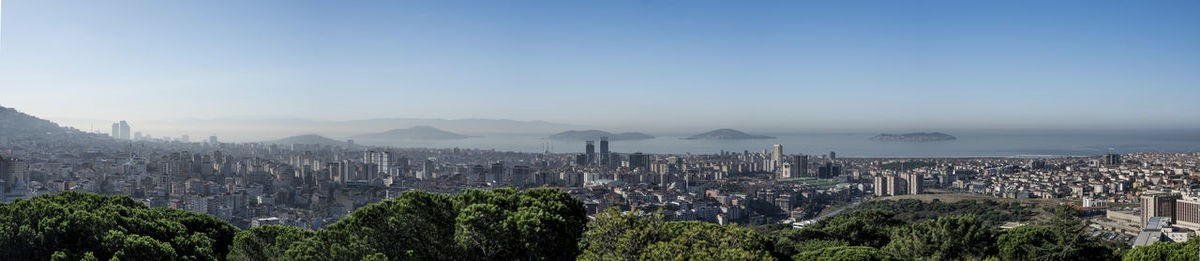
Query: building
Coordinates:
[125,131]
[1111,159]
[800,165]
[1159,204]
[829,170]
[1187,213]
[881,186]
[777,156]
[497,171]
[639,160]
[1158,229]
[212,140]
[604,153]
[116,130]
[916,183]
[383,159]
[590,151]
[522,176]
[427,169]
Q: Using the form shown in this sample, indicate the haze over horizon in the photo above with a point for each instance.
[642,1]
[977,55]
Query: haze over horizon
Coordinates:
[649,66]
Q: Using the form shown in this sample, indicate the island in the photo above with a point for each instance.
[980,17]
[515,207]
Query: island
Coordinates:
[726,134]
[913,137]
[308,139]
[575,135]
[420,132]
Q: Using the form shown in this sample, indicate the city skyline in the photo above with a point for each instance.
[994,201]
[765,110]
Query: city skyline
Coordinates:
[637,66]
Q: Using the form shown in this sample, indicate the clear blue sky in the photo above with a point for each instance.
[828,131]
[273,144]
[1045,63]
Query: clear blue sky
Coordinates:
[787,65]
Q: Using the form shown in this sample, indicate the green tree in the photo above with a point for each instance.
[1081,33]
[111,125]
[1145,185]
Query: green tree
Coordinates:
[844,253]
[1166,251]
[266,242]
[948,238]
[79,225]
[504,224]
[616,236]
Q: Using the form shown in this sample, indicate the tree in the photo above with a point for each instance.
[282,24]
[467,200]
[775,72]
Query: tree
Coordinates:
[634,236]
[863,227]
[1165,251]
[77,225]
[948,238]
[266,242]
[844,253]
[536,224]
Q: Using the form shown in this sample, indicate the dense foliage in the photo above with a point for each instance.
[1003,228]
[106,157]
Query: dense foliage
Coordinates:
[500,224]
[987,211]
[536,224]
[1165,251]
[84,226]
[635,236]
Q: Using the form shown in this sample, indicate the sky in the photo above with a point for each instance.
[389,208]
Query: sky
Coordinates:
[620,65]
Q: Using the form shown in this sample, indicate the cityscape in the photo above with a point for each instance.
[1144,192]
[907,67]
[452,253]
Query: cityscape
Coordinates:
[619,130]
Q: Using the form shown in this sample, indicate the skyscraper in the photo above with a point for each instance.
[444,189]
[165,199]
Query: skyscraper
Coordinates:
[777,156]
[800,165]
[116,130]
[124,130]
[639,160]
[212,140]
[1111,159]
[497,171]
[604,155]
[590,149]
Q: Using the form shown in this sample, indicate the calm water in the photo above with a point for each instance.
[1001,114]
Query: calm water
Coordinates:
[978,143]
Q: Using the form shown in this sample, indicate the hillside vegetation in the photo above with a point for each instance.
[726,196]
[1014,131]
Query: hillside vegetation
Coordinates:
[542,224]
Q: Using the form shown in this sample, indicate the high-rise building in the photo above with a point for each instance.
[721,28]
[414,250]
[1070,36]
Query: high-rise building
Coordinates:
[124,130]
[497,171]
[212,140]
[581,160]
[1111,159]
[829,170]
[800,165]
[881,186]
[604,153]
[916,183]
[521,176]
[383,159]
[777,155]
[893,185]
[639,160]
[590,150]
[832,155]
[1159,204]
[427,169]
[116,130]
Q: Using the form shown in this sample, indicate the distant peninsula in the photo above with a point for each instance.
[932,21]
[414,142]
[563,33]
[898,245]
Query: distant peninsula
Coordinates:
[596,134]
[913,137]
[414,133]
[726,134]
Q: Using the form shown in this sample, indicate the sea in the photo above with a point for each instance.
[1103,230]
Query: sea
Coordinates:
[999,143]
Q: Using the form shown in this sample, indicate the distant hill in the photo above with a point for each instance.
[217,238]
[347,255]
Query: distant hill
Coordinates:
[413,133]
[309,139]
[726,134]
[596,134]
[913,137]
[15,123]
